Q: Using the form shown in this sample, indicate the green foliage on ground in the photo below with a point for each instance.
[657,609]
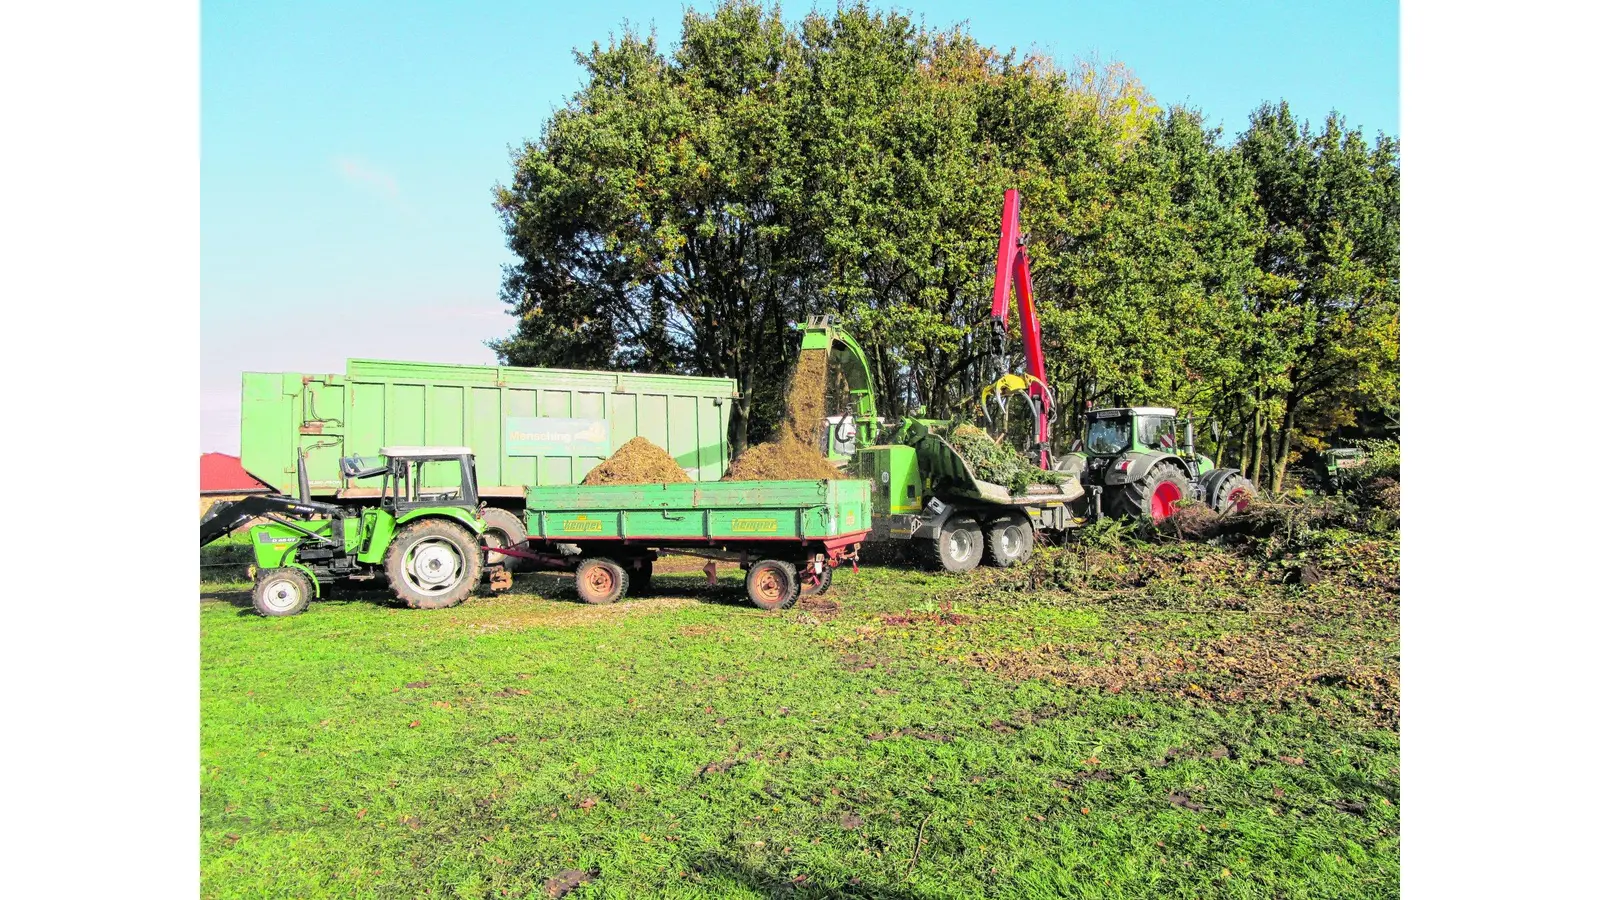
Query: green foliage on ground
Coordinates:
[683,206]
[1128,716]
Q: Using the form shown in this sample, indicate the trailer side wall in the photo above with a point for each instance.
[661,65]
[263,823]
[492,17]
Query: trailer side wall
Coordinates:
[528,427]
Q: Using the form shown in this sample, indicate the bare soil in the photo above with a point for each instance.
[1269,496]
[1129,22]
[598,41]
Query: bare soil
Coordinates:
[637,462]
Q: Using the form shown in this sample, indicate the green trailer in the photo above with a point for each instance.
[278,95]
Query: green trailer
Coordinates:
[526,426]
[787,535]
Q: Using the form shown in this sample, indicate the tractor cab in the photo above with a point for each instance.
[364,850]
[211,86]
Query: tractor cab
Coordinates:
[1139,429]
[419,477]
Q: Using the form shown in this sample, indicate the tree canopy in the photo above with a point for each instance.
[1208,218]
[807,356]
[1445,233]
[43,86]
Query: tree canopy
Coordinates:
[683,209]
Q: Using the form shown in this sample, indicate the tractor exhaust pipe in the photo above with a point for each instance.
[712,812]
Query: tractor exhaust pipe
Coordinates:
[1188,437]
[305,480]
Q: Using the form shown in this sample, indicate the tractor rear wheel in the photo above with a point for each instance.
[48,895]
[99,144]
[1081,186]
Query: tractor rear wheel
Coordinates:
[433,564]
[1234,494]
[959,546]
[601,580]
[1008,540]
[1155,495]
[502,528]
[281,592]
[772,584]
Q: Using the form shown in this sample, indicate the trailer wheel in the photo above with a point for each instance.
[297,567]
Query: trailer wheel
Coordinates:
[772,584]
[502,528]
[281,592]
[601,580]
[959,546]
[1008,540]
[641,571]
[433,564]
[812,584]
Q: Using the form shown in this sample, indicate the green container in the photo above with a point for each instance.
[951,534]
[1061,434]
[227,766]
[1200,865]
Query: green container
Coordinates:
[526,426]
[726,512]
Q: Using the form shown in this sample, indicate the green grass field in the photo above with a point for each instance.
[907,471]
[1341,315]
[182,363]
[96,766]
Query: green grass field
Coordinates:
[1153,720]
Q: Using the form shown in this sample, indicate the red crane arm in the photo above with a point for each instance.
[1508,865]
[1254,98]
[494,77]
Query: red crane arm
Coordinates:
[1011,264]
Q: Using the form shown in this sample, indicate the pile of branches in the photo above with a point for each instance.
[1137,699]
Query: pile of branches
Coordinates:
[997,462]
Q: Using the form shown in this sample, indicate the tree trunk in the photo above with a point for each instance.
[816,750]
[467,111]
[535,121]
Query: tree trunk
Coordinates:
[1255,445]
[739,424]
[1280,464]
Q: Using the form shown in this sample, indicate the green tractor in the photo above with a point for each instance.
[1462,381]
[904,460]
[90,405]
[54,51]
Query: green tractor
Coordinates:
[1132,462]
[424,535]
[1341,467]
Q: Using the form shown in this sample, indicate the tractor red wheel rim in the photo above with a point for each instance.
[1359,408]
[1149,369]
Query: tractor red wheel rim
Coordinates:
[1239,499]
[1164,499]
[769,586]
[599,580]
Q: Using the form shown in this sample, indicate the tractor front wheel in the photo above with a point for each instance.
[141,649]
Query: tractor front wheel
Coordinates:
[1155,495]
[281,592]
[1233,494]
[433,563]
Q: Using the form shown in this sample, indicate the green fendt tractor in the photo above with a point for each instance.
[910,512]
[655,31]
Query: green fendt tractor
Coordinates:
[1133,462]
[424,535]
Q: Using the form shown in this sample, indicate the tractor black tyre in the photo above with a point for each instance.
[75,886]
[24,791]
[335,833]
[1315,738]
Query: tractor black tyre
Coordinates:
[433,564]
[1135,498]
[503,529]
[601,580]
[812,584]
[1008,540]
[772,584]
[959,546]
[282,592]
[1234,493]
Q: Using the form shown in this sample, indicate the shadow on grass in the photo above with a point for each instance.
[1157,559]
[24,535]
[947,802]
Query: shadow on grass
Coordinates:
[771,884]
[559,586]
[375,595]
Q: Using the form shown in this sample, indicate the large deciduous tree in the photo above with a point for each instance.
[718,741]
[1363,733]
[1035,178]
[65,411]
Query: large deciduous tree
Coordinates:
[683,209]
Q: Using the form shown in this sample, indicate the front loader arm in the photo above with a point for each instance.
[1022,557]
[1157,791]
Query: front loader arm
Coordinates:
[226,515]
[1011,265]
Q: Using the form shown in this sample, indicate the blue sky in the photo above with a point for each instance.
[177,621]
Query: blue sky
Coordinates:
[348,149]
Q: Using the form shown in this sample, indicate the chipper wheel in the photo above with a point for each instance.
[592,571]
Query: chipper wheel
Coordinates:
[433,563]
[1008,540]
[959,546]
[502,528]
[772,584]
[1233,494]
[601,580]
[1155,495]
[281,592]
[812,584]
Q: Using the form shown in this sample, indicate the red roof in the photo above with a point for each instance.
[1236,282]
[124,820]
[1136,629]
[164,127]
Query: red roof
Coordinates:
[222,474]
